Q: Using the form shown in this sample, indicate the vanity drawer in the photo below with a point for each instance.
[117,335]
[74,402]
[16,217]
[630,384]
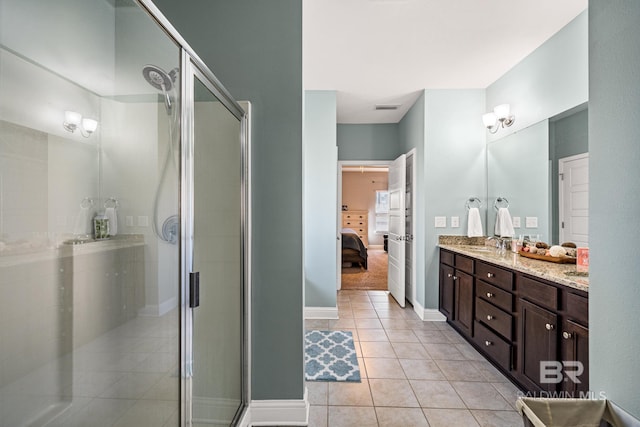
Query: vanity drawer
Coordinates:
[495,318]
[464,263]
[492,344]
[494,275]
[446,257]
[354,216]
[538,292]
[494,295]
[353,223]
[578,308]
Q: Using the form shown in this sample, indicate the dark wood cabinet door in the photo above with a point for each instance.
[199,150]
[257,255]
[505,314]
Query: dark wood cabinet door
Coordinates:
[464,302]
[538,361]
[575,359]
[446,291]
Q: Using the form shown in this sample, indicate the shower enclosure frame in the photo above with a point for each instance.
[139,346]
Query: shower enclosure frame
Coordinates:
[191,66]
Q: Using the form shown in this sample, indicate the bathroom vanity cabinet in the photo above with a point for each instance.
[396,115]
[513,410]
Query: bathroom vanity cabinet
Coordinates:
[533,329]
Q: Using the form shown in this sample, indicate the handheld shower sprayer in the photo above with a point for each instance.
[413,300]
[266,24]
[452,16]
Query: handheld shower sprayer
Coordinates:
[161,80]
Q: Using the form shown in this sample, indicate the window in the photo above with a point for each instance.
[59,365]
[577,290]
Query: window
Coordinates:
[382,211]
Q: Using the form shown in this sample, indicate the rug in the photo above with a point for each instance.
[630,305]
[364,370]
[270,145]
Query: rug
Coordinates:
[330,356]
[374,278]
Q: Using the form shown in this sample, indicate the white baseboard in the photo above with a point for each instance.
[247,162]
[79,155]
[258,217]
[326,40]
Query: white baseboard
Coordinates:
[321,312]
[428,314]
[151,310]
[293,412]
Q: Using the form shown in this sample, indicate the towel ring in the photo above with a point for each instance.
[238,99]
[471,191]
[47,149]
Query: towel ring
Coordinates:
[86,203]
[113,201]
[503,200]
[471,201]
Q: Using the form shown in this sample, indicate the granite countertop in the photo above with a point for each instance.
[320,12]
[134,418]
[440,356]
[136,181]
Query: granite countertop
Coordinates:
[564,274]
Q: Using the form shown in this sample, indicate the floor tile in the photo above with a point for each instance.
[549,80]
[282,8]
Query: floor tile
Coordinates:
[497,418]
[443,352]
[416,369]
[342,324]
[436,394]
[318,416]
[478,395]
[372,335]
[432,337]
[377,349]
[401,417]
[401,335]
[489,372]
[350,394]
[450,418]
[318,392]
[317,324]
[364,314]
[460,370]
[361,306]
[352,416]
[468,352]
[396,393]
[389,314]
[394,323]
[368,324]
[407,350]
[384,368]
[510,392]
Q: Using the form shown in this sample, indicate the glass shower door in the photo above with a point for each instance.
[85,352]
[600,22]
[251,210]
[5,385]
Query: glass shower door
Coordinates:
[217,259]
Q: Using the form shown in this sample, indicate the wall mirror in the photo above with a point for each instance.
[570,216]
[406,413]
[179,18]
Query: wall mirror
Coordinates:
[523,168]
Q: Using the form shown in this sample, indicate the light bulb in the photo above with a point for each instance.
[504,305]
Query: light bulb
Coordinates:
[89,125]
[502,111]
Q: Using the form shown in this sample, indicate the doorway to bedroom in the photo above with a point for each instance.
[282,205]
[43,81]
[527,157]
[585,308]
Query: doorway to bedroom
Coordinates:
[364,221]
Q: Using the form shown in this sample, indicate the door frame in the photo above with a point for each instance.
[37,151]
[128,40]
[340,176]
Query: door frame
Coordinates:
[561,165]
[342,163]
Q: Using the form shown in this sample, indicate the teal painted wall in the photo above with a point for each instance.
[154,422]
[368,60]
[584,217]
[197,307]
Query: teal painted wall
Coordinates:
[454,169]
[368,141]
[255,48]
[567,137]
[320,195]
[551,80]
[614,203]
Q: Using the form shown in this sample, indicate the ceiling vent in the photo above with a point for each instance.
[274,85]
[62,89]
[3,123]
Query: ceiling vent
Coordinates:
[387,106]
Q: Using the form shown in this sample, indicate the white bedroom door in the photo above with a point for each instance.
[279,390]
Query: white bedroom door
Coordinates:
[574,199]
[396,246]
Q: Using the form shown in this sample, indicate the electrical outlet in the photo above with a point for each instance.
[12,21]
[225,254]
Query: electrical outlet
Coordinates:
[455,221]
[516,222]
[143,221]
[128,221]
[440,222]
[531,221]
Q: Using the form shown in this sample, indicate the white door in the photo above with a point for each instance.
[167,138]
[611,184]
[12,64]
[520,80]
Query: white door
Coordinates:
[574,199]
[396,247]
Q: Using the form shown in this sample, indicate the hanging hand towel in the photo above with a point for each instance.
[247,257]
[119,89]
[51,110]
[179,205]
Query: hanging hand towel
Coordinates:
[112,216]
[504,226]
[474,226]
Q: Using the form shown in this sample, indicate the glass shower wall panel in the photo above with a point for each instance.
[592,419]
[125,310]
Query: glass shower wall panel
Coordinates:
[89,329]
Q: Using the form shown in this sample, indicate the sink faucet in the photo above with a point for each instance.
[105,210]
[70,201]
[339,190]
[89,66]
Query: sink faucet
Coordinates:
[501,242]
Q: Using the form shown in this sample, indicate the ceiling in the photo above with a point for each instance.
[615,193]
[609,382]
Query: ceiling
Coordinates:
[386,51]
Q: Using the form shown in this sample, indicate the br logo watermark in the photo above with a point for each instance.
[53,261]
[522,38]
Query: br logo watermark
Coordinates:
[554,372]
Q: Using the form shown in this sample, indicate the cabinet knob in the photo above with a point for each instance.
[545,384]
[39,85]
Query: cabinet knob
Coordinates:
[549,326]
[449,275]
[490,295]
[490,275]
[455,277]
[567,335]
[488,343]
[490,317]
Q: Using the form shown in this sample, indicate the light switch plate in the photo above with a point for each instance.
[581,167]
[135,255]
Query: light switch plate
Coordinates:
[531,221]
[440,222]
[455,221]
[516,222]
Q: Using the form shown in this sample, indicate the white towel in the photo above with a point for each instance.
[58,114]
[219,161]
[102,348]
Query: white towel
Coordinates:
[504,226]
[112,216]
[83,225]
[474,227]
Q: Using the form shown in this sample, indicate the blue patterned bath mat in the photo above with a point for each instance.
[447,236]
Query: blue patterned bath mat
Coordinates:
[330,356]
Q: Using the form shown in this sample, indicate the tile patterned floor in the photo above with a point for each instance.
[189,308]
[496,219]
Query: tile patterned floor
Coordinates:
[414,373]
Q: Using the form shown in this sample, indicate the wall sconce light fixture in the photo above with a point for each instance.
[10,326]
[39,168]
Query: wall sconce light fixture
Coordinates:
[500,117]
[73,121]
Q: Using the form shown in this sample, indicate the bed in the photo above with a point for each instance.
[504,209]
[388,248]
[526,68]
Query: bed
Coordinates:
[353,250]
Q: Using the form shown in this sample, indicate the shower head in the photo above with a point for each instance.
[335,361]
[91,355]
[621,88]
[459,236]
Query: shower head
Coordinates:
[161,80]
[158,78]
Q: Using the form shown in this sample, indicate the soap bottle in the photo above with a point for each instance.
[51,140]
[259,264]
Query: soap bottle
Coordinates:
[101,226]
